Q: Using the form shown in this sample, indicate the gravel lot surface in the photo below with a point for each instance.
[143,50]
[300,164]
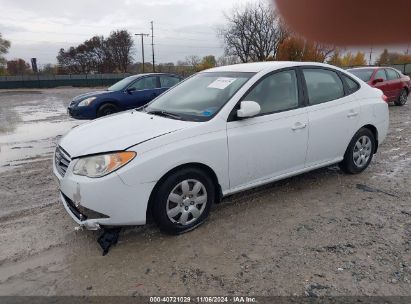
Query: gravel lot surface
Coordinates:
[321,233]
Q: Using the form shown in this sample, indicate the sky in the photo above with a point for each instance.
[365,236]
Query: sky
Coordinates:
[181,27]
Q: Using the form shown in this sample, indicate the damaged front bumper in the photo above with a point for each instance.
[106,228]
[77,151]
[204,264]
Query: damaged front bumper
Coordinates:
[103,202]
[78,216]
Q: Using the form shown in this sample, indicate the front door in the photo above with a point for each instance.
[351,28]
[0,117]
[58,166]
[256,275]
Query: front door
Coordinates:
[273,143]
[143,91]
[383,86]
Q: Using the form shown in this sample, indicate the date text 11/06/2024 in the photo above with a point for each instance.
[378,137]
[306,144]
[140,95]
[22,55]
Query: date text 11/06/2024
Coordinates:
[236,299]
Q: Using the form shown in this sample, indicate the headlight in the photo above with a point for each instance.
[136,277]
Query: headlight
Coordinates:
[86,102]
[101,165]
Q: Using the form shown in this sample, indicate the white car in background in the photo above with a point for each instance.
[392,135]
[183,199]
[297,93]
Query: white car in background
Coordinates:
[219,132]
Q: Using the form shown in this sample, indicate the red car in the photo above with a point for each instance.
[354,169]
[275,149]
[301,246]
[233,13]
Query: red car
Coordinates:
[393,83]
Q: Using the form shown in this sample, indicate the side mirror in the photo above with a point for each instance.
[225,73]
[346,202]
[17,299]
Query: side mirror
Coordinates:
[248,109]
[131,90]
[378,80]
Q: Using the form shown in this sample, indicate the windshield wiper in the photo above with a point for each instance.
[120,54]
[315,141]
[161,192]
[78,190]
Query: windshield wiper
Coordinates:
[165,114]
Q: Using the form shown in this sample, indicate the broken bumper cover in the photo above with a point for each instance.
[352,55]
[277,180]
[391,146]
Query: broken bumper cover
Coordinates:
[118,204]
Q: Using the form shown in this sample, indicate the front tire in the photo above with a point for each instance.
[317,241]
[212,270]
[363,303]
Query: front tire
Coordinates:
[402,99]
[359,153]
[183,200]
[106,109]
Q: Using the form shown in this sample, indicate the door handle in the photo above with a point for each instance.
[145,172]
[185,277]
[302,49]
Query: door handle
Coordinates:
[352,114]
[299,126]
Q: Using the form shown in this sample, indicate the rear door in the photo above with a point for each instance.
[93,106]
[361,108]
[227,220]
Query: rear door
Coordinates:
[273,143]
[333,114]
[394,82]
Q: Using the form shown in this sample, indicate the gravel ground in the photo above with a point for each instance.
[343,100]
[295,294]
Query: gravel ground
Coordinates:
[321,233]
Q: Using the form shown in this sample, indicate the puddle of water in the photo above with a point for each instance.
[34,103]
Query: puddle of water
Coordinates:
[35,134]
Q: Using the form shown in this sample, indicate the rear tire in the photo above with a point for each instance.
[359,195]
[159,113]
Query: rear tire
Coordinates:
[106,109]
[402,99]
[183,200]
[359,153]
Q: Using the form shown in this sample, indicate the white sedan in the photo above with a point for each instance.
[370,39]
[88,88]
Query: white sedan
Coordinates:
[219,132]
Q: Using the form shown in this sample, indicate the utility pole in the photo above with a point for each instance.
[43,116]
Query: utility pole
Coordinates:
[408,49]
[152,45]
[142,44]
[369,62]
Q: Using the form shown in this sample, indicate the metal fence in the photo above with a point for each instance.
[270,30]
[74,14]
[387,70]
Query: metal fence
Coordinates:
[52,81]
[95,80]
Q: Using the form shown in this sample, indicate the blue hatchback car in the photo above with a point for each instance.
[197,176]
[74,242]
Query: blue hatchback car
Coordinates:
[130,93]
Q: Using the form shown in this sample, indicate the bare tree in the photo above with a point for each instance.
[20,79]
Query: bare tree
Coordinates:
[4,47]
[120,44]
[253,33]
[98,55]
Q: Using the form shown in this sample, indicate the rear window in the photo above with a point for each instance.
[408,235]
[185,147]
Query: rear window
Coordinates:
[363,74]
[352,85]
[392,74]
[323,85]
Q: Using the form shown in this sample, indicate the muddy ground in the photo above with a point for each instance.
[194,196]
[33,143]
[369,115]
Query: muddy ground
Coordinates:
[321,233]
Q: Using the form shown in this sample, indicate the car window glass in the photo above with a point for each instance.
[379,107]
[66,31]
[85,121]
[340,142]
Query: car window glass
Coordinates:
[277,92]
[380,75]
[363,74]
[323,85]
[352,85]
[391,74]
[168,81]
[147,83]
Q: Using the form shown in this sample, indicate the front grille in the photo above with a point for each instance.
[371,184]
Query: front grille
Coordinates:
[62,161]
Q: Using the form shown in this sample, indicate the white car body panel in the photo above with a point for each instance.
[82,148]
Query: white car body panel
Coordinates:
[242,154]
[117,130]
[264,147]
[337,122]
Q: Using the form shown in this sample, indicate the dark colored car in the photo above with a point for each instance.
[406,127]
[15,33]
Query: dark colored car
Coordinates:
[130,93]
[393,83]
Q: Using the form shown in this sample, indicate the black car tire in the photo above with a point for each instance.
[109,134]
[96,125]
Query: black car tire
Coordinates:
[348,165]
[402,99]
[106,109]
[171,183]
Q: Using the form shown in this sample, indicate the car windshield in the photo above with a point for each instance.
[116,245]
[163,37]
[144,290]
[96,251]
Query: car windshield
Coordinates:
[122,84]
[363,74]
[200,97]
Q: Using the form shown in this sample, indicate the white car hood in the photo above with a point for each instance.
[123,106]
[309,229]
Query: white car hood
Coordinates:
[118,132]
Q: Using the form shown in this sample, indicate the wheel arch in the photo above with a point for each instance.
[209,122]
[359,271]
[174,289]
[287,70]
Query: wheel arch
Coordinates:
[374,131]
[203,167]
[108,101]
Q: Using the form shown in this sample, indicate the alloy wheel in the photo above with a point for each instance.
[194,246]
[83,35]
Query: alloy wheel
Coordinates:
[403,97]
[186,202]
[362,151]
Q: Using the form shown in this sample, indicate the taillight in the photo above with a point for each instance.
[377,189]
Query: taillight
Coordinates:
[385,98]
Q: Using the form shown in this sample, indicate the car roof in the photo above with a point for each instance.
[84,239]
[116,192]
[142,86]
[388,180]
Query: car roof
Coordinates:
[257,67]
[366,68]
[152,74]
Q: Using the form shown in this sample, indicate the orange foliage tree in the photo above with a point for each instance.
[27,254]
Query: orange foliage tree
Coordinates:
[295,48]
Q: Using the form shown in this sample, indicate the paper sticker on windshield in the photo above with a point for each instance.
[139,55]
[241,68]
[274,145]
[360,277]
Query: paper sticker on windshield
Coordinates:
[221,83]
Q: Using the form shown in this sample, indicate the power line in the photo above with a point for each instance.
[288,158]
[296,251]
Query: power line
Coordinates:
[189,46]
[142,44]
[152,46]
[371,51]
